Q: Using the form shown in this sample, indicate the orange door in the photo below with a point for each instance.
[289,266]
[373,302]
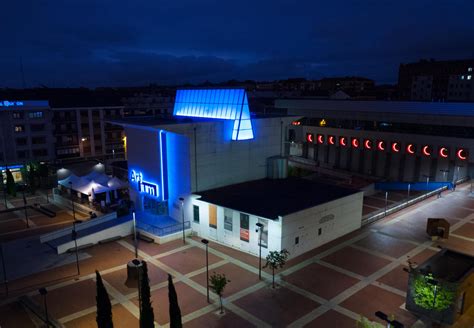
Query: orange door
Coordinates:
[213,216]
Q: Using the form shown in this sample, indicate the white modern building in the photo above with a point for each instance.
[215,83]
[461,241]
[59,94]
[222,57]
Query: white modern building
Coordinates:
[212,142]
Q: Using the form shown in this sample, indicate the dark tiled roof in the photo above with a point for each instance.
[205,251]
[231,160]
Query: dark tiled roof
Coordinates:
[270,198]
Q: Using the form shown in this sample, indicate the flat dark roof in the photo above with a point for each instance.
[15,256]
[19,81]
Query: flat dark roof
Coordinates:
[448,265]
[270,198]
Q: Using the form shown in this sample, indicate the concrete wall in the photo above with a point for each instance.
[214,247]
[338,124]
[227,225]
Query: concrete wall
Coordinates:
[232,238]
[300,231]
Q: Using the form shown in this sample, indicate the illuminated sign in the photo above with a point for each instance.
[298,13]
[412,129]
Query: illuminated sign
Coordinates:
[331,140]
[426,150]
[322,122]
[395,147]
[309,137]
[443,152]
[411,149]
[320,138]
[461,154]
[368,144]
[7,103]
[342,141]
[145,187]
[355,143]
[381,145]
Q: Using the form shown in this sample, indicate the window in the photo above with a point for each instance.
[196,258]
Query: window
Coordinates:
[38,140]
[22,153]
[320,231]
[19,128]
[196,213]
[21,141]
[469,69]
[40,152]
[37,127]
[297,240]
[17,115]
[244,227]
[228,219]
[469,77]
[213,216]
[35,114]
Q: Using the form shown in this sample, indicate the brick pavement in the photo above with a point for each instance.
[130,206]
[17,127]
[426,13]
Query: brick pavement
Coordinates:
[328,287]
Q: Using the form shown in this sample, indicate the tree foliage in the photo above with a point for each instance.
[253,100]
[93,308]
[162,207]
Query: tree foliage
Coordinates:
[147,317]
[363,322]
[11,186]
[104,308]
[217,283]
[175,312]
[276,260]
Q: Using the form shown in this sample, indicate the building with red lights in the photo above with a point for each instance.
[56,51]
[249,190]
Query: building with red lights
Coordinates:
[395,141]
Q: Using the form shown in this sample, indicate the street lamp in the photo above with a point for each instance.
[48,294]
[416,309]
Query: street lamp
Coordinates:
[391,323]
[259,229]
[181,199]
[72,203]
[74,237]
[4,269]
[43,293]
[24,203]
[206,242]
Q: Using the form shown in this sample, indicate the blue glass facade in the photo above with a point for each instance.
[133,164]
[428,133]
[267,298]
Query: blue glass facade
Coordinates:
[228,104]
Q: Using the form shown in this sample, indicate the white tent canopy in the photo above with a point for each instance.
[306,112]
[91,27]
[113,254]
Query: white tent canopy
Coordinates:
[74,179]
[115,183]
[97,177]
[86,188]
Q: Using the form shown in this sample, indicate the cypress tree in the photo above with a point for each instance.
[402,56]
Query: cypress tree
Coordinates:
[11,187]
[147,318]
[175,312]
[104,308]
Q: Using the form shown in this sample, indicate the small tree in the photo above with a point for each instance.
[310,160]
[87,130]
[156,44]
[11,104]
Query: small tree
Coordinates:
[147,317]
[276,260]
[104,308]
[217,283]
[175,312]
[11,186]
[363,322]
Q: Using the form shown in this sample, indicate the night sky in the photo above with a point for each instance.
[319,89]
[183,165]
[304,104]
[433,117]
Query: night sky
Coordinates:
[134,42]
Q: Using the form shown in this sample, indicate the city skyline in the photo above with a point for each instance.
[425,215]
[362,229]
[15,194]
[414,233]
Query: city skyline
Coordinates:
[89,44]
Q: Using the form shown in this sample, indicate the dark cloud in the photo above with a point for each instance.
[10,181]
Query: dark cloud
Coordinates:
[121,42]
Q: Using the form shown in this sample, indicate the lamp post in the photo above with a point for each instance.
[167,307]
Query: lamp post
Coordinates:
[72,203]
[206,242]
[135,242]
[43,293]
[181,199]
[4,188]
[259,229]
[386,201]
[74,237]
[408,191]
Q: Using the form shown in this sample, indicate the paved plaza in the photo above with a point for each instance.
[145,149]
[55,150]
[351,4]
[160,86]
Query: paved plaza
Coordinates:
[331,286]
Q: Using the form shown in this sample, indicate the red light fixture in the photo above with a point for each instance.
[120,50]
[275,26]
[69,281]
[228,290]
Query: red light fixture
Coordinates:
[443,152]
[331,140]
[367,144]
[411,149]
[395,147]
[320,139]
[461,154]
[343,141]
[381,145]
[296,123]
[355,142]
[426,150]
[309,137]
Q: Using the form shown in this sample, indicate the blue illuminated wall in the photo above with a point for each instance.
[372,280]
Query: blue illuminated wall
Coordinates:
[228,104]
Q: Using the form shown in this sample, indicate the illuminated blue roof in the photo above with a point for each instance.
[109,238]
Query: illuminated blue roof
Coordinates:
[228,104]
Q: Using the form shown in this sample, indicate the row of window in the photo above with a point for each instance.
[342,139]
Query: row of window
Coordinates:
[20,115]
[21,154]
[229,225]
[33,128]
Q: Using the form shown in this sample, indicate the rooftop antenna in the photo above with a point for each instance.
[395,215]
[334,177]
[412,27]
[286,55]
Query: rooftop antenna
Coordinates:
[22,73]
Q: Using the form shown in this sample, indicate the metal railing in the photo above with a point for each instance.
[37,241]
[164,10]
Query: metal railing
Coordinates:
[164,231]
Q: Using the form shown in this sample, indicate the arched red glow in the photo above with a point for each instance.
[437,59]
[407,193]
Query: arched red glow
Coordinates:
[368,144]
[320,138]
[355,143]
[381,145]
[395,147]
[443,152]
[342,141]
[426,151]
[309,137]
[331,140]
[411,149]
[461,154]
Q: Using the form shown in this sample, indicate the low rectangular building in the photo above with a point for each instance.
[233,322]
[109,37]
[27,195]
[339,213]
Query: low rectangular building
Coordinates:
[297,214]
